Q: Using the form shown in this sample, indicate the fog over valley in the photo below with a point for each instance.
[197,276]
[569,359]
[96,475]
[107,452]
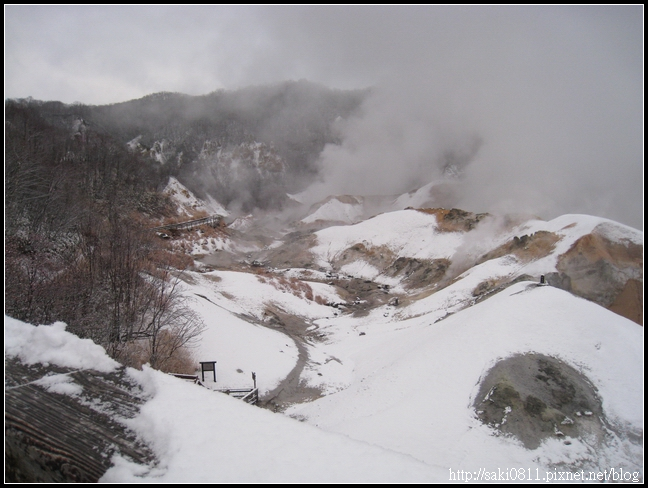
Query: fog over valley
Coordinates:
[537,109]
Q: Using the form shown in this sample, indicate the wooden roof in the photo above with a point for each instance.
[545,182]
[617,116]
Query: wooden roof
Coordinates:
[53,437]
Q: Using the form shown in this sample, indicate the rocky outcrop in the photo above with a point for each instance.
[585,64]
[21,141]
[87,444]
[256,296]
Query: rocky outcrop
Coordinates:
[417,273]
[598,267]
[526,247]
[455,219]
[606,271]
[533,397]
[629,302]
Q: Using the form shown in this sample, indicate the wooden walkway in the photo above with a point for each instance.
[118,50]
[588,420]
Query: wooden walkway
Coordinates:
[212,220]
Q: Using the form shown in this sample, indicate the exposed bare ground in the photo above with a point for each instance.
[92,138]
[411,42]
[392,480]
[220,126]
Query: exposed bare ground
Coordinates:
[454,220]
[532,397]
[606,272]
[525,247]
[291,389]
[629,303]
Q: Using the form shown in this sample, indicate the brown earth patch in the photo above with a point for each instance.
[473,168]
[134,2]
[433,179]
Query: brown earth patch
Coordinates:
[295,253]
[606,272]
[594,246]
[361,296]
[454,220]
[213,278]
[485,286]
[379,257]
[414,273]
[629,303]
[569,226]
[418,273]
[526,247]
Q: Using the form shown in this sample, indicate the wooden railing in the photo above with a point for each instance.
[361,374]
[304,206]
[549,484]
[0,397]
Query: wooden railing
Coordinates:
[190,224]
[252,398]
[248,395]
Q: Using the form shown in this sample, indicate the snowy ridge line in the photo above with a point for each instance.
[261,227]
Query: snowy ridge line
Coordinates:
[469,301]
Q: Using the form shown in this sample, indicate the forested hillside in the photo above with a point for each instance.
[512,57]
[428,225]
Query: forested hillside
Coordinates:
[78,209]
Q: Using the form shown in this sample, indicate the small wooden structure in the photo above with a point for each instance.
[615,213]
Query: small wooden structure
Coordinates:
[208,366]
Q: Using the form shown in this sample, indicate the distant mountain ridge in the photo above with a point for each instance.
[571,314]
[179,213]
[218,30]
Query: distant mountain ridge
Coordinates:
[292,121]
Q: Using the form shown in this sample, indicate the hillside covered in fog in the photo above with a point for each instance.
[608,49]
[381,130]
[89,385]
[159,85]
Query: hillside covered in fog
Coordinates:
[245,148]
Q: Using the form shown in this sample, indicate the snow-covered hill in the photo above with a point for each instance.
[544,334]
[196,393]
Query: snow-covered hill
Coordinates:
[406,390]
[412,346]
[412,384]
[345,209]
[421,251]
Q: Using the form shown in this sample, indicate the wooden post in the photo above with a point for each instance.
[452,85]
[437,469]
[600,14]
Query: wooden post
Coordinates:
[254,379]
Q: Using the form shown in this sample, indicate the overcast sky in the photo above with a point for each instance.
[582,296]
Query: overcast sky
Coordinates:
[555,93]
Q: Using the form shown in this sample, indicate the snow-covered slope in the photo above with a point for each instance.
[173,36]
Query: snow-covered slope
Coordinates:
[417,234]
[234,305]
[413,382]
[187,203]
[202,436]
[407,233]
[346,209]
[349,209]
[433,194]
[384,339]
[431,248]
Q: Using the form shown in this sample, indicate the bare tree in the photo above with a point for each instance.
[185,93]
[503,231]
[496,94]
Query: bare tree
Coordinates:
[168,322]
